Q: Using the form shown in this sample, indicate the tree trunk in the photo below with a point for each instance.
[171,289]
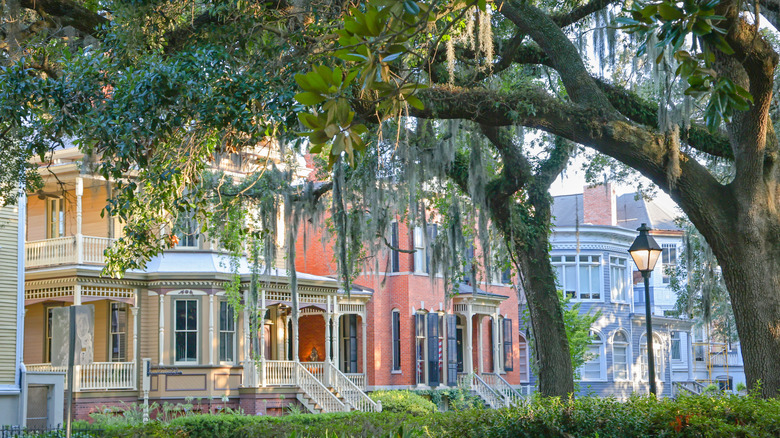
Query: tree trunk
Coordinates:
[529,245]
[748,251]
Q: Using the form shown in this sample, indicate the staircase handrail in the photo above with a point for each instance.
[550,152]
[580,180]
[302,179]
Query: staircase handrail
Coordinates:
[351,392]
[488,394]
[317,391]
[500,385]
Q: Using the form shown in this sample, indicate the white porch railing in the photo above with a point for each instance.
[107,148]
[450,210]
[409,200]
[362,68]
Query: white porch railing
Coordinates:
[97,376]
[50,251]
[503,388]
[351,392]
[94,249]
[280,372]
[317,392]
[732,358]
[358,379]
[475,383]
[317,369]
[65,250]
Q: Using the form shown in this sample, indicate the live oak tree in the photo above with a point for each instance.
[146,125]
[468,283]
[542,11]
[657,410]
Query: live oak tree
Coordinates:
[190,79]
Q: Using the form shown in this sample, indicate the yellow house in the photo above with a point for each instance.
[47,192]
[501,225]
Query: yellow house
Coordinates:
[167,333]
[11,314]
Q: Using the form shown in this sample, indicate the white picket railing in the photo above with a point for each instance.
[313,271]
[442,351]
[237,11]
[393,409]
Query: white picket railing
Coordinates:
[50,252]
[316,391]
[280,372]
[65,250]
[359,379]
[317,369]
[97,376]
[351,392]
[503,388]
[94,249]
[475,383]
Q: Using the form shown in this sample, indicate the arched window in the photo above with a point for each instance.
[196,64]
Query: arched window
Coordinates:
[658,357]
[594,367]
[396,330]
[620,355]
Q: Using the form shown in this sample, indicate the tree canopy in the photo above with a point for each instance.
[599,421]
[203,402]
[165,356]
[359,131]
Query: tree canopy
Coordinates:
[159,87]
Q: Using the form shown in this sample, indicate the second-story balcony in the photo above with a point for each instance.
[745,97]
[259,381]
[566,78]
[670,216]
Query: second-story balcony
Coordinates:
[68,250]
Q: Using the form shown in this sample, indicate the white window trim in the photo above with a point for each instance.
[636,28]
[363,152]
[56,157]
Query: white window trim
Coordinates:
[197,331]
[626,278]
[628,355]
[664,279]
[219,336]
[576,264]
[659,364]
[671,343]
[602,360]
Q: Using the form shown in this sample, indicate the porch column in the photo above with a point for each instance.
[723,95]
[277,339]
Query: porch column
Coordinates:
[691,355]
[248,364]
[365,344]
[262,346]
[79,239]
[328,339]
[162,327]
[211,329]
[134,311]
[468,366]
[336,344]
[480,343]
[77,295]
[496,345]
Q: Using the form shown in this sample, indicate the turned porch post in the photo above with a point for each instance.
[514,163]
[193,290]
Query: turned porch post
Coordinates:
[79,239]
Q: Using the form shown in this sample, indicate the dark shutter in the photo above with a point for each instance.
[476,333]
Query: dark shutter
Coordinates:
[396,340]
[508,336]
[433,349]
[452,350]
[433,231]
[469,261]
[395,263]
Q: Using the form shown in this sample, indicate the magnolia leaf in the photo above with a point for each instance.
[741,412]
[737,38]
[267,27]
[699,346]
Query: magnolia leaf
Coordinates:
[309,99]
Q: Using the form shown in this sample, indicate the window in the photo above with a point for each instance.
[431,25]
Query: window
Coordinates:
[508,336]
[593,368]
[579,277]
[620,356]
[618,279]
[227,332]
[676,350]
[349,344]
[422,255]
[186,330]
[47,352]
[118,332]
[668,259]
[396,340]
[55,217]
[395,262]
[419,347]
[657,357]
[187,230]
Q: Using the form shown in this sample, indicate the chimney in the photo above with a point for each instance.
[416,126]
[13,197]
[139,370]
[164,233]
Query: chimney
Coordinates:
[599,205]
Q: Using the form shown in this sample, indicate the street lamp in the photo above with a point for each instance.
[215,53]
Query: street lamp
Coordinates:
[645,252]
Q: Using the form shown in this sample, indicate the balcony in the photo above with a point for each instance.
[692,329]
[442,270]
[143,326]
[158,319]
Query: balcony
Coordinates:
[97,376]
[69,250]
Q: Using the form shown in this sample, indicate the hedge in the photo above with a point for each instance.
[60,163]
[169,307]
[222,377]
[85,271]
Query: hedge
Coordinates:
[692,416]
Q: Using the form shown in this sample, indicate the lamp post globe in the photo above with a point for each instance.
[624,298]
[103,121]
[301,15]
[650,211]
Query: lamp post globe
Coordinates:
[645,252]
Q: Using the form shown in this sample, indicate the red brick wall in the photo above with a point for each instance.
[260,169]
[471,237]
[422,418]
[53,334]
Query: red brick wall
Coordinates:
[311,334]
[407,292]
[599,205]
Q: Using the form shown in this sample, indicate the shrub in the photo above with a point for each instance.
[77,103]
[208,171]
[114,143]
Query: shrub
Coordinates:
[403,402]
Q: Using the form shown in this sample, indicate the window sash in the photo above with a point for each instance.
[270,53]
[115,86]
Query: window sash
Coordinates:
[55,217]
[591,369]
[396,329]
[186,331]
[118,332]
[620,361]
[579,278]
[395,261]
[227,332]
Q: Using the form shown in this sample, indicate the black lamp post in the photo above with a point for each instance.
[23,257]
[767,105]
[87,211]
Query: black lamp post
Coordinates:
[645,252]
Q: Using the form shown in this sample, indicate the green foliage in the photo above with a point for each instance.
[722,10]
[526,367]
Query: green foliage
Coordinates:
[577,331]
[403,402]
[670,23]
[456,399]
[686,416]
